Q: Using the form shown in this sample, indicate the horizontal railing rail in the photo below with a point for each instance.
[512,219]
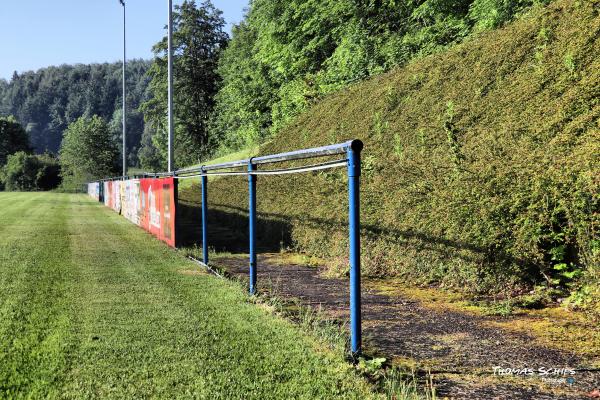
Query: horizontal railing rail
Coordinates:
[331,150]
[323,151]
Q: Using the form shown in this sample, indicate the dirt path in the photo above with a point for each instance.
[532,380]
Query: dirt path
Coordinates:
[460,349]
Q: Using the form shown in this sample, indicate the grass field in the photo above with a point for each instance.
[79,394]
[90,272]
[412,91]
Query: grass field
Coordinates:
[91,306]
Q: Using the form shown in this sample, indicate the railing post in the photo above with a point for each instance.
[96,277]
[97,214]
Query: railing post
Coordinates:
[204,181]
[252,224]
[354,225]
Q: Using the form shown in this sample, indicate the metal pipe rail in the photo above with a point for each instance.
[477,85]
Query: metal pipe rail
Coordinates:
[340,148]
[283,171]
[334,149]
[351,149]
[157,174]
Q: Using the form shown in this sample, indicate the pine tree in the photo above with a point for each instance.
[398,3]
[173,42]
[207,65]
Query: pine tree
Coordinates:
[198,41]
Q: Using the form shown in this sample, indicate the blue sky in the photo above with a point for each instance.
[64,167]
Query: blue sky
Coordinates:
[39,33]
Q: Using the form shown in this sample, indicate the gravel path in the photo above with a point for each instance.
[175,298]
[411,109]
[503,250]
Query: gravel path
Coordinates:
[460,349]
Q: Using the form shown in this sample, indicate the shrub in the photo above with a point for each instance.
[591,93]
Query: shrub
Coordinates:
[13,138]
[26,172]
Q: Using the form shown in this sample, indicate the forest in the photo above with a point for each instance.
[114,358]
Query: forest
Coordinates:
[46,101]
[286,55]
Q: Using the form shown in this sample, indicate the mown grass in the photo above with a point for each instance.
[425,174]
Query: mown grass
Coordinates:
[93,307]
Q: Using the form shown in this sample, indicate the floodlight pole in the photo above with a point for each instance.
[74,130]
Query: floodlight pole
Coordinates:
[170,90]
[124,101]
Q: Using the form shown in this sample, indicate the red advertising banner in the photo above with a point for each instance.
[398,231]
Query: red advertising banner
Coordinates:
[148,202]
[167,225]
[157,198]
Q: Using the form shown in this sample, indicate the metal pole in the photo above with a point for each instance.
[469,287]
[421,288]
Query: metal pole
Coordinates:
[354,222]
[204,181]
[124,101]
[252,224]
[170,94]
[175,208]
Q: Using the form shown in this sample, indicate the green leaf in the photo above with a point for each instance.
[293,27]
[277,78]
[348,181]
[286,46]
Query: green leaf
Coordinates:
[560,267]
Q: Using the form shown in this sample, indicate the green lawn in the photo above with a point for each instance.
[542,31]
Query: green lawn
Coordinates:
[91,306]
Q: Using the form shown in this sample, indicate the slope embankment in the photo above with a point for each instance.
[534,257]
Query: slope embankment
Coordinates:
[480,165]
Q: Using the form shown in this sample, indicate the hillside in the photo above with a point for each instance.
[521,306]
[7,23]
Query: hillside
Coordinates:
[480,168]
[46,101]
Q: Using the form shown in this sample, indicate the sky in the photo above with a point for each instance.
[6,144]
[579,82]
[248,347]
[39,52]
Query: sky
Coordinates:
[39,33]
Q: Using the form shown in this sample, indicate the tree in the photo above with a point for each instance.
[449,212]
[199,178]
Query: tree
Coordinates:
[3,88]
[88,152]
[13,138]
[27,172]
[198,41]
[243,103]
[149,156]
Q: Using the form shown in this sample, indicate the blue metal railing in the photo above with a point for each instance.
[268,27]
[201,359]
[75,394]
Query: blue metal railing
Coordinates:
[351,150]
[252,225]
[354,223]
[204,184]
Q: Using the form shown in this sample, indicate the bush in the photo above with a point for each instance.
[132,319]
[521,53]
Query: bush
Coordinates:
[26,172]
[13,138]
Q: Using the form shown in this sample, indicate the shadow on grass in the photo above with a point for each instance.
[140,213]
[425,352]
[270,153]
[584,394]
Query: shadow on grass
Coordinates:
[228,231]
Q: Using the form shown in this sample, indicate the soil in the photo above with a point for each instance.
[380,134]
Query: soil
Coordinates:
[459,350]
